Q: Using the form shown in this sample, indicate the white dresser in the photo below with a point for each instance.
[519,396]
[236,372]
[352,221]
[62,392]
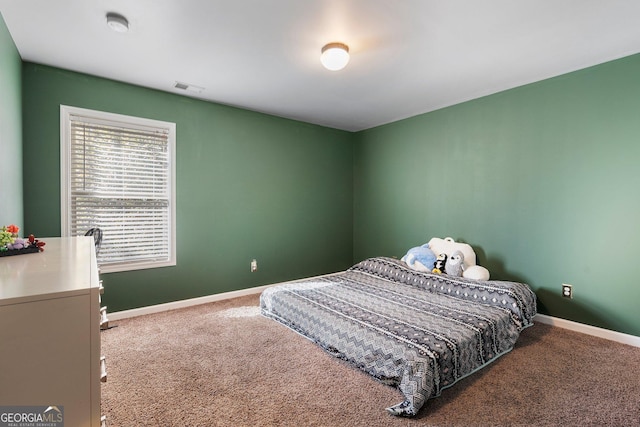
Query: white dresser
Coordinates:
[50,330]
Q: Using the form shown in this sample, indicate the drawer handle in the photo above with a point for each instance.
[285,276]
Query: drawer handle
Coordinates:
[103,369]
[104,321]
[100,292]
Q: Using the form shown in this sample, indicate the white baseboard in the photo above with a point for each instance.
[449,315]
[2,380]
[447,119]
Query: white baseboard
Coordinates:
[118,315]
[542,318]
[589,330]
[124,314]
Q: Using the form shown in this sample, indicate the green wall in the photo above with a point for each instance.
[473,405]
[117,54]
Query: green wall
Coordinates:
[10,130]
[249,186]
[541,180]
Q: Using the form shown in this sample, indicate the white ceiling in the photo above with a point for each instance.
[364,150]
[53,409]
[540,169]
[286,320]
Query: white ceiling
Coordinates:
[407,56]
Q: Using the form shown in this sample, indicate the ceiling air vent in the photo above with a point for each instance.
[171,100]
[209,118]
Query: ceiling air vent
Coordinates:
[188,87]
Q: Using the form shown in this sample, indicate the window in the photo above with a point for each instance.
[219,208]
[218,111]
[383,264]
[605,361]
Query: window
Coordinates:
[118,174]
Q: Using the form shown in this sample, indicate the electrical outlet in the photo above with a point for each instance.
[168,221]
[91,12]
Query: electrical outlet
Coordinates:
[254,265]
[567,291]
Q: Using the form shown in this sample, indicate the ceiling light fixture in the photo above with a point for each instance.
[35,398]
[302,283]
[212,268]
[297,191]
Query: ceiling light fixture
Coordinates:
[335,56]
[117,22]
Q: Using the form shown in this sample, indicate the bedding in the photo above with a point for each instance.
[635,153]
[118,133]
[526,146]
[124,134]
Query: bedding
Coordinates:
[419,332]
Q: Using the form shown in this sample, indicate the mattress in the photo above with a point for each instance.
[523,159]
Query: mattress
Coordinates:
[419,332]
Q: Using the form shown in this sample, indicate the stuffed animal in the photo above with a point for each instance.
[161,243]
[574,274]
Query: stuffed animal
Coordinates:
[441,261]
[420,258]
[448,245]
[455,264]
[476,272]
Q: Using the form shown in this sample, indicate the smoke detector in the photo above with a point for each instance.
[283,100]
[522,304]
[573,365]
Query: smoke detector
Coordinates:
[117,23]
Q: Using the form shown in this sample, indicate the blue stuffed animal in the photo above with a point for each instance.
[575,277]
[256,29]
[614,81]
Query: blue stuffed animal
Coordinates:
[420,258]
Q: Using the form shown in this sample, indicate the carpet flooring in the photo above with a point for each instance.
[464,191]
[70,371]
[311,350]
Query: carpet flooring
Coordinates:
[223,364]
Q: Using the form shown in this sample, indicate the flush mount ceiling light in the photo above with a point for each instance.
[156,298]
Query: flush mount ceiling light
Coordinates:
[117,22]
[335,56]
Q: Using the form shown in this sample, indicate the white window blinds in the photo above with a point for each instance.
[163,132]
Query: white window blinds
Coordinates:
[120,173]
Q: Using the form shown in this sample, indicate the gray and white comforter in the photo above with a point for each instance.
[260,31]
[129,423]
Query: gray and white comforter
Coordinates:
[419,332]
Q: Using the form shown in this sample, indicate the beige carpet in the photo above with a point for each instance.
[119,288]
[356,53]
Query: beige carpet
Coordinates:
[222,364]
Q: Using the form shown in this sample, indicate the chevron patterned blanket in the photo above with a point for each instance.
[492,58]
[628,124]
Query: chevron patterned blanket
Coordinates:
[419,332]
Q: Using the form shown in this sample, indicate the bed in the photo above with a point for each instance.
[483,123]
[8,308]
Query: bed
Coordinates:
[417,331]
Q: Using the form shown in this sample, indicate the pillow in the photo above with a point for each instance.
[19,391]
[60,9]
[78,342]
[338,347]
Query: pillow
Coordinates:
[448,246]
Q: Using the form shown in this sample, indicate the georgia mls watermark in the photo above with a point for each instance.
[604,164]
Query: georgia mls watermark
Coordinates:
[31,416]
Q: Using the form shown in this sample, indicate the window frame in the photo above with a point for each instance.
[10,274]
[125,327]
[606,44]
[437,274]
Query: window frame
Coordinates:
[65,178]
